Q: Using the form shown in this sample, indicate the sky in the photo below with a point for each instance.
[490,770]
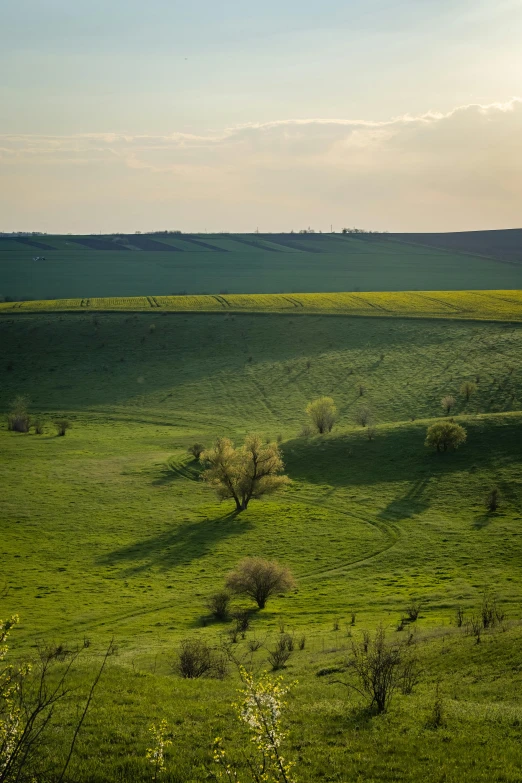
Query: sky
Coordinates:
[236,115]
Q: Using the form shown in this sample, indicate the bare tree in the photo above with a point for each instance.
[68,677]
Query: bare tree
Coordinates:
[379,668]
[254,470]
[259,579]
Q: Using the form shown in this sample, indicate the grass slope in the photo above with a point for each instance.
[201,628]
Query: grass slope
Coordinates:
[503,244]
[108,531]
[473,305]
[249,263]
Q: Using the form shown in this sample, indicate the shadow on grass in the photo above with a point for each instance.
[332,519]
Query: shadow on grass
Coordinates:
[172,471]
[412,502]
[179,546]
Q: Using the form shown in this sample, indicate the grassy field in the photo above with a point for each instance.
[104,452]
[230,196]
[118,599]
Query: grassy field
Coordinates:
[108,533]
[83,267]
[472,305]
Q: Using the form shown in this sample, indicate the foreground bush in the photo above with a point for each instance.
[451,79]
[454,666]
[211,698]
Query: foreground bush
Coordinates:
[197,659]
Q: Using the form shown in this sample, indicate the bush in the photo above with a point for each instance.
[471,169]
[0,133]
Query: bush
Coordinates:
[413,610]
[196,659]
[196,450]
[259,579]
[218,604]
[492,500]
[18,419]
[445,435]
[62,425]
[379,669]
[38,427]
[279,656]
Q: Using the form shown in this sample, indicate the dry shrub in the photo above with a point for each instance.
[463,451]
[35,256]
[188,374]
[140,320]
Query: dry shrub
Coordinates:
[197,659]
[259,579]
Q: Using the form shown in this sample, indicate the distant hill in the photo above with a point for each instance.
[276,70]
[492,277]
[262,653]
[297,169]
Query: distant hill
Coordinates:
[503,245]
[58,267]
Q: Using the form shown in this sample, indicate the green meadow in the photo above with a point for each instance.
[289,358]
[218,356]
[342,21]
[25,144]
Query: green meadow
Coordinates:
[109,533]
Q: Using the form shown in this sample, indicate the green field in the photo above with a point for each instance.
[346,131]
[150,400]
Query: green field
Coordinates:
[108,532]
[129,265]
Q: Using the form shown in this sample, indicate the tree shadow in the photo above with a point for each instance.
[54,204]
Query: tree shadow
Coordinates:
[173,471]
[176,547]
[482,521]
[411,503]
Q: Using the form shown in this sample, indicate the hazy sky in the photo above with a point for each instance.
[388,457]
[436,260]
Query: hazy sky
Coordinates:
[117,116]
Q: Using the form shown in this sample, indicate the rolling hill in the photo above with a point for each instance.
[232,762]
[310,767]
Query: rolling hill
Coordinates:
[131,265]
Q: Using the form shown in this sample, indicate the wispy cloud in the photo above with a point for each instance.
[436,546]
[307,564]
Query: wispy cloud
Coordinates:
[448,170]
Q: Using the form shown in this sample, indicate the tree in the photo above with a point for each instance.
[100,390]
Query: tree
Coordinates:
[323,414]
[251,471]
[448,402]
[445,435]
[259,579]
[467,389]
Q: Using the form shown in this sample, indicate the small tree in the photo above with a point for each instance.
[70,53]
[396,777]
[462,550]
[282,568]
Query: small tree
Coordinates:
[363,416]
[467,389]
[445,435]
[259,579]
[448,402]
[18,419]
[249,472]
[323,414]
[196,450]
[62,425]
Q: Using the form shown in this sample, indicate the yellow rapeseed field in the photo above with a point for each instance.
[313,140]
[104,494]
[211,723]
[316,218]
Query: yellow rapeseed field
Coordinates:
[472,305]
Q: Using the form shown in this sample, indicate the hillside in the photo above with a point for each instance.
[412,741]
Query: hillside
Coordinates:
[131,265]
[108,532]
[502,245]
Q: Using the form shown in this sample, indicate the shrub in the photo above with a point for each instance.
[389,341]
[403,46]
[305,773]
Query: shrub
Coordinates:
[378,667]
[410,676]
[371,433]
[302,642]
[197,659]
[196,450]
[413,610]
[254,645]
[492,500]
[38,427]
[323,414]
[259,579]
[279,656]
[18,419]
[361,389]
[242,620]
[459,616]
[62,425]
[445,435]
[448,402]
[218,604]
[306,431]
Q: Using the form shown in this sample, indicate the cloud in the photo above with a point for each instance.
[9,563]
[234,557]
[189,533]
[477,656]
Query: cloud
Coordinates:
[436,171]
